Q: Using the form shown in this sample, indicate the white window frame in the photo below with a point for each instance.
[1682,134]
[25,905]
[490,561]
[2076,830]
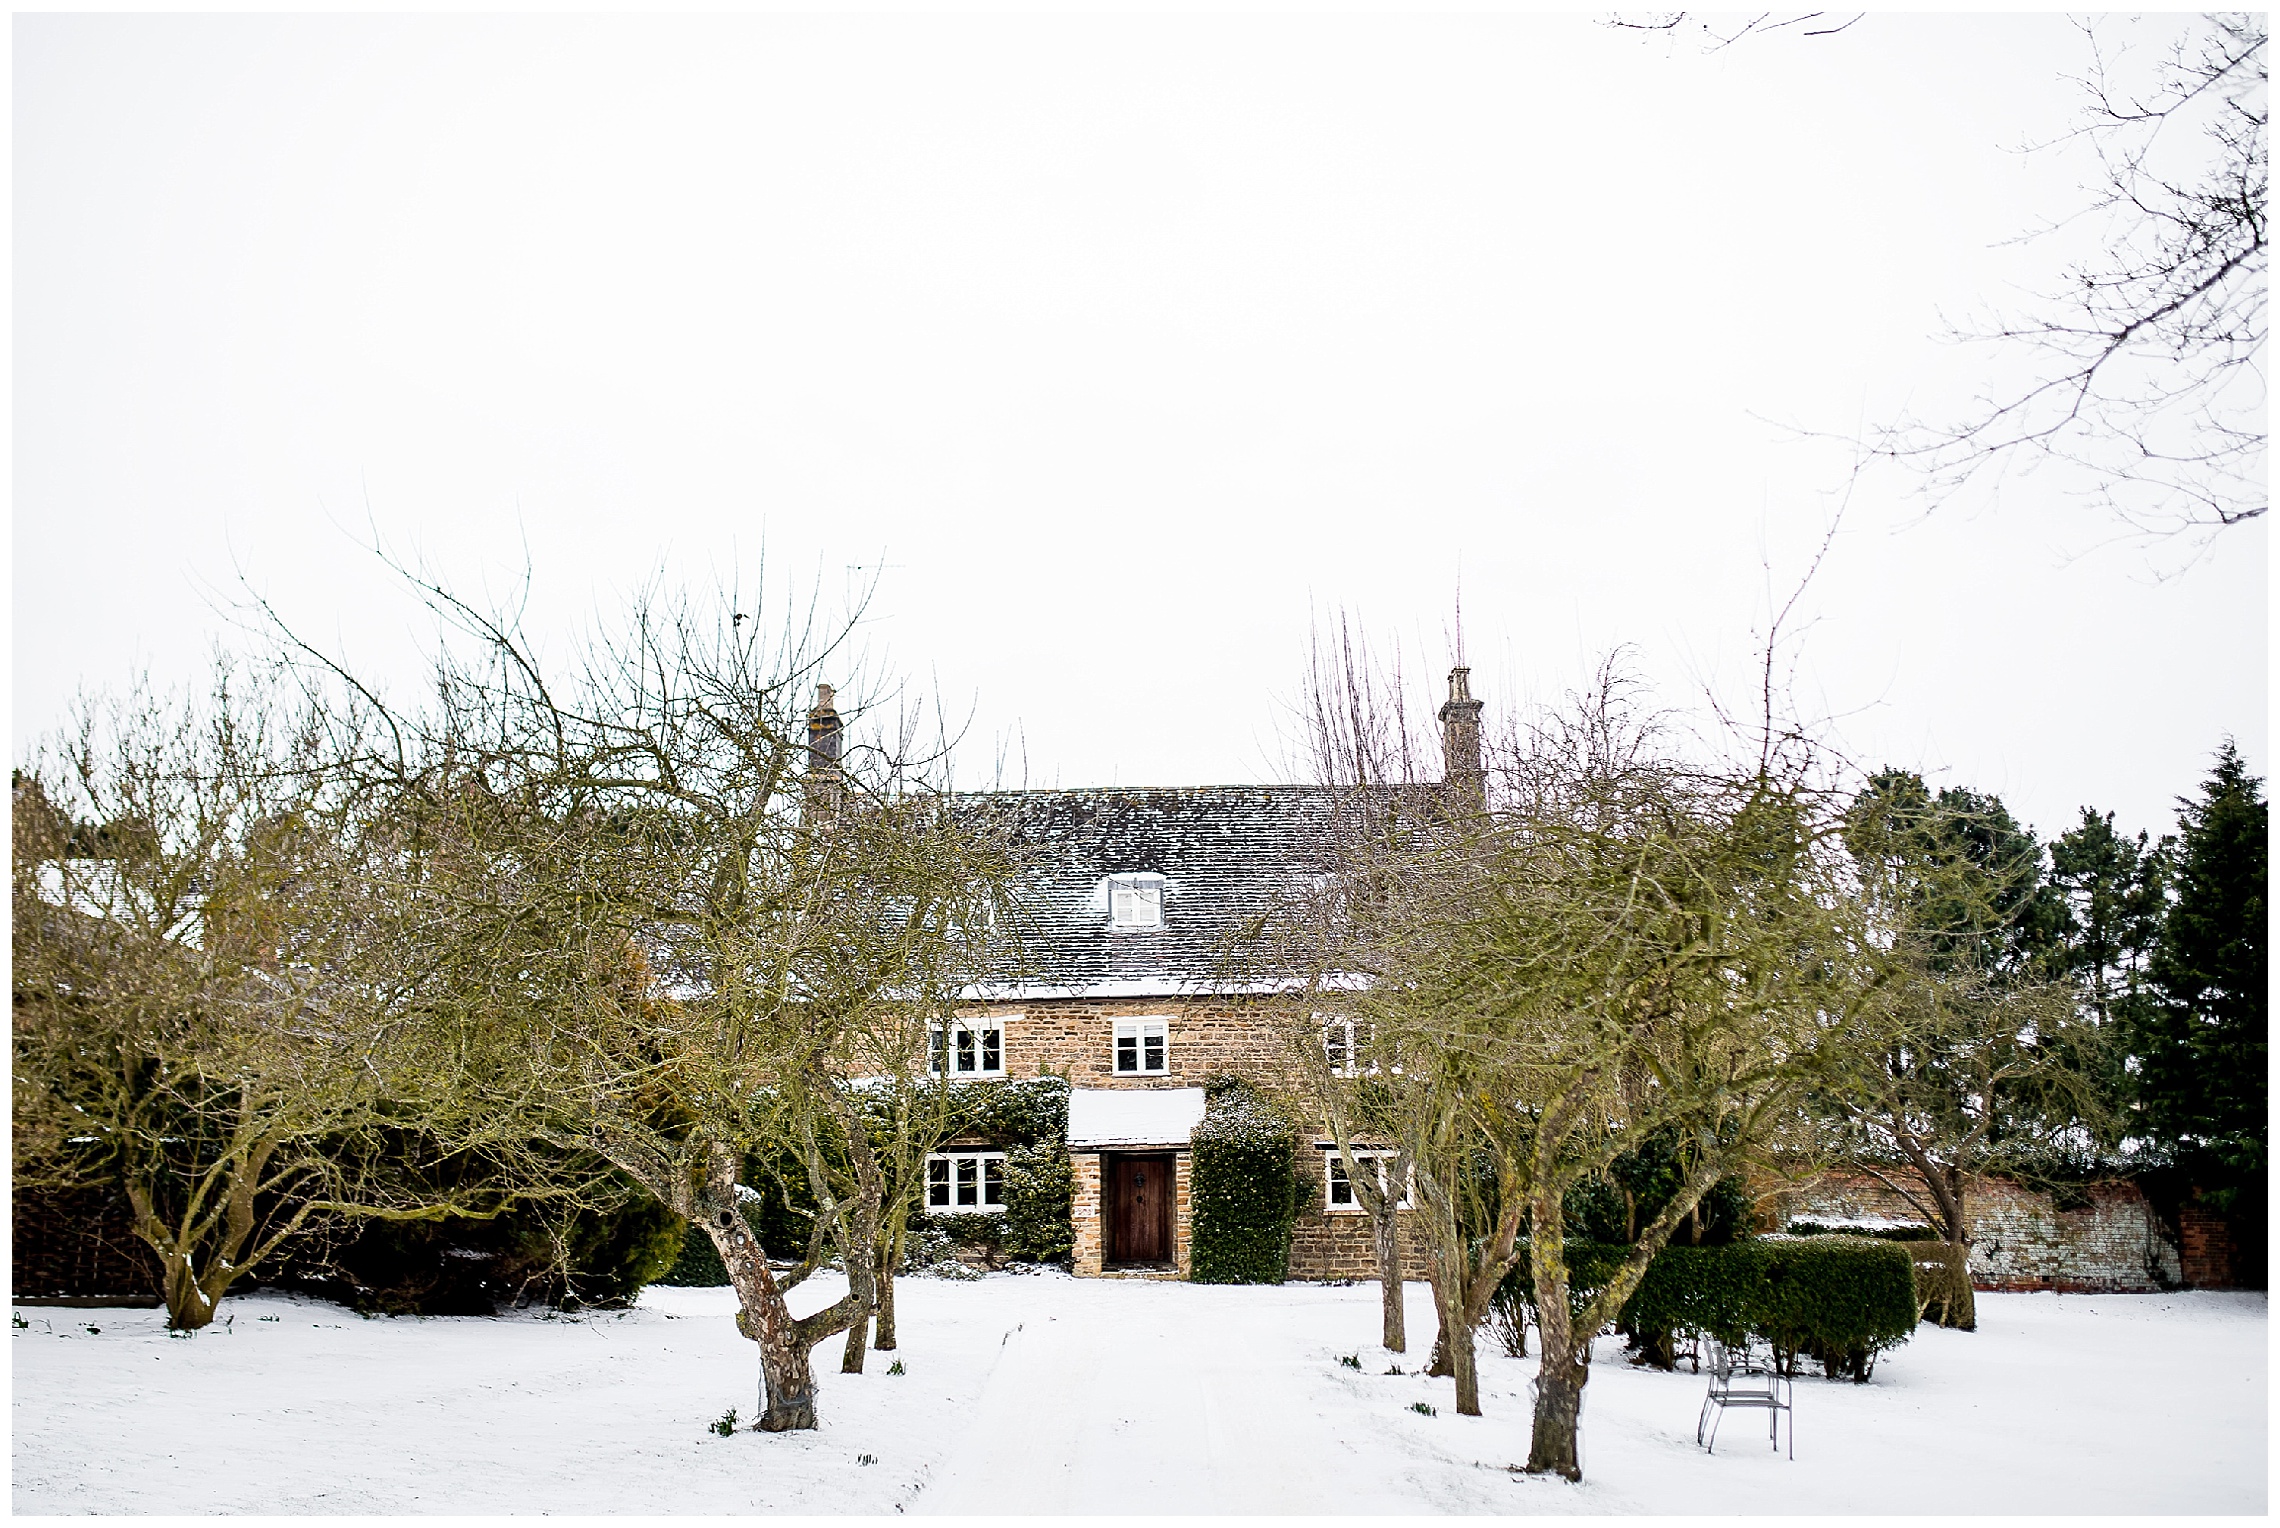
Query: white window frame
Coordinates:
[961,1171]
[1136,902]
[1139,1032]
[1334,1178]
[963,1039]
[1343,1040]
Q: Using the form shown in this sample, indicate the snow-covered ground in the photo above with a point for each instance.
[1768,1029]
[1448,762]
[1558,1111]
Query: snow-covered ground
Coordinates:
[1050,1394]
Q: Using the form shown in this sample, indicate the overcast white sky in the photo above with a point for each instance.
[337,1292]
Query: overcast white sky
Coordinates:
[1127,345]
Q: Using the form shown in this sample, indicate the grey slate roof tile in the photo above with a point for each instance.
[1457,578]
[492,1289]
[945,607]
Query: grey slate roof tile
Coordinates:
[1225,851]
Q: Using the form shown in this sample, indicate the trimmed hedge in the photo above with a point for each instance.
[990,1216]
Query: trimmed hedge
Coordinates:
[1839,1300]
[1242,1191]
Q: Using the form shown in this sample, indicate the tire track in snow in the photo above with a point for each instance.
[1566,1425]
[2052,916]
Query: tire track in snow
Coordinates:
[1140,1402]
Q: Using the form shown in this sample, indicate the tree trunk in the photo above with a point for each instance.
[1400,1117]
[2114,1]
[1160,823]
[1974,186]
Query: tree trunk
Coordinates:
[1566,1363]
[1453,1348]
[1466,1368]
[762,1315]
[884,1338]
[1559,1405]
[1957,1306]
[189,1308]
[1387,1230]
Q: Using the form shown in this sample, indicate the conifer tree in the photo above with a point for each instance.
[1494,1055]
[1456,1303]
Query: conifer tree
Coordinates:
[2200,1048]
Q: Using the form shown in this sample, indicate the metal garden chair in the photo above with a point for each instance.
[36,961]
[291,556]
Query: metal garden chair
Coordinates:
[1735,1381]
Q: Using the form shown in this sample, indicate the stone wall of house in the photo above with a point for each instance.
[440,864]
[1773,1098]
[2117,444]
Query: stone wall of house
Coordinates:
[2112,1241]
[1328,1244]
[1075,1038]
[79,1244]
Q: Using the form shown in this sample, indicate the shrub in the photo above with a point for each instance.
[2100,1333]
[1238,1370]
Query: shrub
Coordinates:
[1040,1191]
[1615,1205]
[1841,1300]
[472,1267]
[1242,1189]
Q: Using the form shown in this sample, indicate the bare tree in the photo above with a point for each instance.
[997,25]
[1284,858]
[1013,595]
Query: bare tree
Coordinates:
[1362,747]
[1723,31]
[219,1010]
[683,903]
[1616,945]
[2140,372]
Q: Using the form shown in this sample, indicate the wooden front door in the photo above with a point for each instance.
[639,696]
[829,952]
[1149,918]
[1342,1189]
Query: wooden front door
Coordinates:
[1140,1193]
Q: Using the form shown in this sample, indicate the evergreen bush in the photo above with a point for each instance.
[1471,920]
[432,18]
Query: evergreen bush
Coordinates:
[1242,1188]
[1040,1193]
[1839,1300]
[473,1267]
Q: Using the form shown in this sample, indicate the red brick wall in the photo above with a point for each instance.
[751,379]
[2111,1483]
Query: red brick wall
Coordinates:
[2209,1260]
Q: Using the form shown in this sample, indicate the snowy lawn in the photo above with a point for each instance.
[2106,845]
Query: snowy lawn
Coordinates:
[1050,1394]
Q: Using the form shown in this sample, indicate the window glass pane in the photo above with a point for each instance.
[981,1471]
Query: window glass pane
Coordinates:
[937,1182]
[991,1056]
[1341,1188]
[1155,1053]
[937,1050]
[967,1186]
[965,1049]
[993,1180]
[1127,1053]
[1334,1041]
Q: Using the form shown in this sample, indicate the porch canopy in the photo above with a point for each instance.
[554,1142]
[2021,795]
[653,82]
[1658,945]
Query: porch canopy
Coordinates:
[1103,1117]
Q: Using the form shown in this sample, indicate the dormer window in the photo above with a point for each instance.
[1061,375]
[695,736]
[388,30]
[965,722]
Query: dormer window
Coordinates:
[1135,901]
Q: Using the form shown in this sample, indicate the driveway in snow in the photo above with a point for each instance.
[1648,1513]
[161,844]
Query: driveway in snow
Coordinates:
[1029,1394]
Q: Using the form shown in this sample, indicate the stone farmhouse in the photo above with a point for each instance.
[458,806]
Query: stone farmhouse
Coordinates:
[1127,993]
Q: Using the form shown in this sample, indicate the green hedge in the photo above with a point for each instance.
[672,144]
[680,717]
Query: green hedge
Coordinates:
[1040,1192]
[1242,1191]
[1839,1300]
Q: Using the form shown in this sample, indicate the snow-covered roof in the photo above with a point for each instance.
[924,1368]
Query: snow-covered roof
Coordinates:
[1223,853]
[1132,1116]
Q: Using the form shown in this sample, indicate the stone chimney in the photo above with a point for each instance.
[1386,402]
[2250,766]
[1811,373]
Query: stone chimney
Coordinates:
[1462,780]
[825,735]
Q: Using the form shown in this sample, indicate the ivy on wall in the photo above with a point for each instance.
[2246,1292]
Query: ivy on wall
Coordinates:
[1242,1189]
